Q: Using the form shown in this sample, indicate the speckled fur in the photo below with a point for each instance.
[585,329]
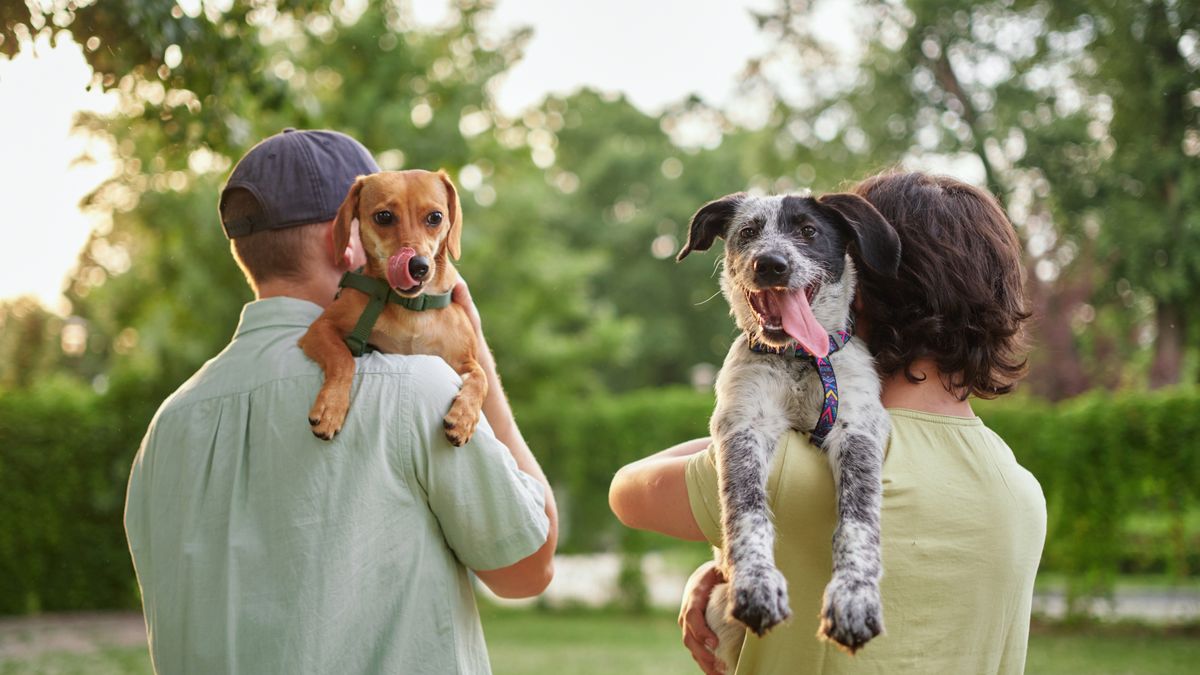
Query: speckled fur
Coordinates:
[760,396]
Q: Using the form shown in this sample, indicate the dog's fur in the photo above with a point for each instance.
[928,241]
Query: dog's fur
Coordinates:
[411,197]
[762,395]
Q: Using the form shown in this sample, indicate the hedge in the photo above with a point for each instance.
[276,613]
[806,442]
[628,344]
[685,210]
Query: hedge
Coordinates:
[1102,460]
[63,468]
[1105,462]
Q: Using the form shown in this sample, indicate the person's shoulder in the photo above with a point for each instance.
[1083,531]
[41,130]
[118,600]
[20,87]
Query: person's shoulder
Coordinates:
[422,367]
[430,379]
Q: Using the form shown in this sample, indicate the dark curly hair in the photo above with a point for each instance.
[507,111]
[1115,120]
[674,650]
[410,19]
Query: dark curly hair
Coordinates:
[959,298]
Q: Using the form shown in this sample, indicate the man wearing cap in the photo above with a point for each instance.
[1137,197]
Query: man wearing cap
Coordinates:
[260,548]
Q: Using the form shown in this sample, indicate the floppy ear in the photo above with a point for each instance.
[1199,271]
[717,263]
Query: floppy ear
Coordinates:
[875,239]
[710,222]
[341,223]
[454,236]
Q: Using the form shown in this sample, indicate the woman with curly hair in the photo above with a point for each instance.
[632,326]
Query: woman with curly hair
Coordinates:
[962,523]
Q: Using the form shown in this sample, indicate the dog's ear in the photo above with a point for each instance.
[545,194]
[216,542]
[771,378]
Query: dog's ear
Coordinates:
[454,236]
[710,222]
[875,239]
[341,223]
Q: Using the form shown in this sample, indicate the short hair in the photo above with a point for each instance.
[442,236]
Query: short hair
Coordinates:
[282,253]
[959,297]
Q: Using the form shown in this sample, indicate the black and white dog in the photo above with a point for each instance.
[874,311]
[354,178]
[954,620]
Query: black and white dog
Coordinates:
[789,277]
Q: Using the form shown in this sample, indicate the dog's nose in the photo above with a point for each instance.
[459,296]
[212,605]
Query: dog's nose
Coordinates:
[770,268]
[418,267]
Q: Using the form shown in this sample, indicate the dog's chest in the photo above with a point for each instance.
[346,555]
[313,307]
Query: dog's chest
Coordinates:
[402,331]
[804,390]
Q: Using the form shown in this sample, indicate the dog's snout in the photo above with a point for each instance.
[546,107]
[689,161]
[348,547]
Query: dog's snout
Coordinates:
[770,268]
[418,267]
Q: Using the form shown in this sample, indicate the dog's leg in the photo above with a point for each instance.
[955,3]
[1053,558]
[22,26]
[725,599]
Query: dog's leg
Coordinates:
[460,422]
[852,611]
[323,344]
[746,430]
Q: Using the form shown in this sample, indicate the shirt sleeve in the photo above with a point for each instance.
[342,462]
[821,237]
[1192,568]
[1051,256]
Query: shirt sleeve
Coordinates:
[491,513]
[703,494]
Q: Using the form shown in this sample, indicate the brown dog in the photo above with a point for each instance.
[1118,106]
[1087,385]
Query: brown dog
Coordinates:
[410,223]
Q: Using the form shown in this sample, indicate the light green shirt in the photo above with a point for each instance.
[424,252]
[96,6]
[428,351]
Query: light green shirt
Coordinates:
[261,549]
[963,527]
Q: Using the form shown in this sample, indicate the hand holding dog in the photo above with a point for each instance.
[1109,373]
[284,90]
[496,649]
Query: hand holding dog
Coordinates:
[698,636]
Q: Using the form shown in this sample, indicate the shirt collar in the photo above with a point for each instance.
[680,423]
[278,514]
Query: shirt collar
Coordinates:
[277,312]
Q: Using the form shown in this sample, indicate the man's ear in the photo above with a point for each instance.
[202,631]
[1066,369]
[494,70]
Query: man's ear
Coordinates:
[710,222]
[454,236]
[875,240]
[341,223]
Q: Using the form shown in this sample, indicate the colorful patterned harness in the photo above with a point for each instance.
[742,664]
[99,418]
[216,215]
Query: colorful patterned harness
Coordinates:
[829,408]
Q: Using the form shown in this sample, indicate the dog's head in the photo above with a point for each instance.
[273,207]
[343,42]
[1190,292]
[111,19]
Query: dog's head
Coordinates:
[789,261]
[409,222]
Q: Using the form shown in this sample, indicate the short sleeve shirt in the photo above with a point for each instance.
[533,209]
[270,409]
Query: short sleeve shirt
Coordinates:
[261,549]
[963,526]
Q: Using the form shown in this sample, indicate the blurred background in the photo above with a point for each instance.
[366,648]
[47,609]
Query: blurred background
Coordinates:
[582,137]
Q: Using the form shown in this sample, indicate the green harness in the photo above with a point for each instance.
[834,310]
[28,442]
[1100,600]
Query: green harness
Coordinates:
[379,294]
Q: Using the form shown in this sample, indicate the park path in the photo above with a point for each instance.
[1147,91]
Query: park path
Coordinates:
[579,580]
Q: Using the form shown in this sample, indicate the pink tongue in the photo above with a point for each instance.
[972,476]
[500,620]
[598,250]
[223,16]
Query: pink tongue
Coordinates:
[799,322]
[397,270]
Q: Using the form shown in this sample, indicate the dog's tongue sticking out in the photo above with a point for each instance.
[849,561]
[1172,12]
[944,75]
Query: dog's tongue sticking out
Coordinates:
[397,270]
[799,322]
[795,316]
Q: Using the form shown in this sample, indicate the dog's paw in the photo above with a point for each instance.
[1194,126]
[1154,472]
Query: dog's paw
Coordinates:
[460,422]
[852,613]
[760,598]
[328,414]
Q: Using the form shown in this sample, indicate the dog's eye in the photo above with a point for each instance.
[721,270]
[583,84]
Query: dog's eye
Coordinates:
[748,231]
[808,231]
[384,218]
[434,219]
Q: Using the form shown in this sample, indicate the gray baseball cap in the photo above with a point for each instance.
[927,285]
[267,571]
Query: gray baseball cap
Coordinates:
[297,178]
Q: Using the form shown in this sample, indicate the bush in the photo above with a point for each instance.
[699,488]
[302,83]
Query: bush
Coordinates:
[62,495]
[1104,461]
[1121,475]
[582,443]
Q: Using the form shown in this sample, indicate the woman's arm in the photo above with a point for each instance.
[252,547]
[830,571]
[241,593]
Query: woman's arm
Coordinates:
[651,493]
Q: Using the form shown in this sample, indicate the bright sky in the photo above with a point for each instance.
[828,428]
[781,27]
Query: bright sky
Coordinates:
[655,51]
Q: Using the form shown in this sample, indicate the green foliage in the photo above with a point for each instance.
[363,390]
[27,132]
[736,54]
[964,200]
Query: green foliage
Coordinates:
[582,442]
[62,477]
[1102,461]
[1106,464]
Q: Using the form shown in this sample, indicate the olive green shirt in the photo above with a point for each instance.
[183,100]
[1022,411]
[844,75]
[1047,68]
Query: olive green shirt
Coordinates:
[963,527]
[261,549]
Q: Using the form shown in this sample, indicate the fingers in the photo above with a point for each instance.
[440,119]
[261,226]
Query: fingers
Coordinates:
[695,623]
[703,656]
[698,636]
[461,295]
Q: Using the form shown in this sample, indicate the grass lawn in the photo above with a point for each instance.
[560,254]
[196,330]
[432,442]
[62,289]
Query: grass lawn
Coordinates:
[591,643]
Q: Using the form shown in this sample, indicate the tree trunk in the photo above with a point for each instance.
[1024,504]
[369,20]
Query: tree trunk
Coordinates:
[1169,345]
[1057,370]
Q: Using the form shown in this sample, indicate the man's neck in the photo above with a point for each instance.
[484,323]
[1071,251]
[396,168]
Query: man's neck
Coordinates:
[317,291]
[929,395]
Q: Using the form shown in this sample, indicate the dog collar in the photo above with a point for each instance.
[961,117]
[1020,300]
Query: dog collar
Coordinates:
[379,294]
[829,408]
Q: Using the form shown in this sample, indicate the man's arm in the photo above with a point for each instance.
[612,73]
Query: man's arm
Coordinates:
[530,575]
[651,493]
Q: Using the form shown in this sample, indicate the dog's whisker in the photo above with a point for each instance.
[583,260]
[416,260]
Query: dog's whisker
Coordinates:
[707,299]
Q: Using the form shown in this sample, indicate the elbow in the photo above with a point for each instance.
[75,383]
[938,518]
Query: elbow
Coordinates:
[531,584]
[623,500]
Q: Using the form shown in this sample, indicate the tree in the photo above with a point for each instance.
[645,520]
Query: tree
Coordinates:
[1044,98]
